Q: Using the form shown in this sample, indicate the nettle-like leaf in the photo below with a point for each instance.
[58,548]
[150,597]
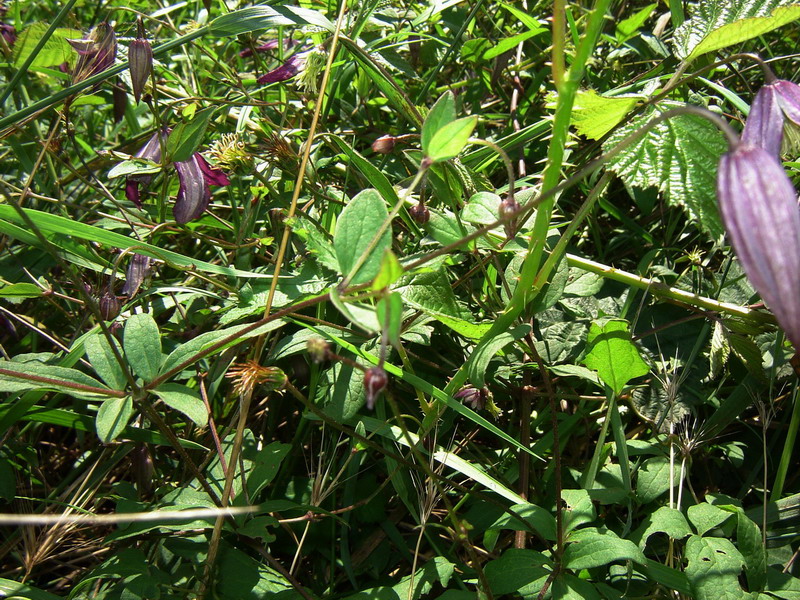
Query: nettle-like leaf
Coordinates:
[594,115]
[716,24]
[713,568]
[679,157]
[54,52]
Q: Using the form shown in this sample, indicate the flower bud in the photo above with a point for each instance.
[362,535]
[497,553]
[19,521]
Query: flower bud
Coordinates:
[109,306]
[508,209]
[138,270]
[375,381]
[420,213]
[476,398]
[384,144]
[140,56]
[317,349]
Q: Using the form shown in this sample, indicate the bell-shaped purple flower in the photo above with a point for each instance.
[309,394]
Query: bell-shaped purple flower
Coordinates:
[774,102]
[759,208]
[265,47]
[195,176]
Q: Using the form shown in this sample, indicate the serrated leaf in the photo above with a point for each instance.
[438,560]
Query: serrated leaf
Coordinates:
[186,137]
[317,241]
[612,354]
[594,115]
[55,51]
[185,400]
[713,568]
[441,113]
[652,479]
[450,140]
[716,24]
[112,417]
[142,344]
[105,364]
[720,349]
[591,547]
[481,209]
[678,157]
[430,292]
[666,520]
[355,232]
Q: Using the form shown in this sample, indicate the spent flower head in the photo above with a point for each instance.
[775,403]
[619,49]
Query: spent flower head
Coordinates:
[247,375]
[230,153]
[96,52]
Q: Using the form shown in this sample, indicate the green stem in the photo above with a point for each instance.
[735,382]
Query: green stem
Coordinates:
[788,449]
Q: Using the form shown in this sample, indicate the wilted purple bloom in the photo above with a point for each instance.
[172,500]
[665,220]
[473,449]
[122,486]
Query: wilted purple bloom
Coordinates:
[265,47]
[96,53]
[195,175]
[773,103]
[375,380]
[286,71]
[759,208]
[138,270]
[8,33]
[473,396]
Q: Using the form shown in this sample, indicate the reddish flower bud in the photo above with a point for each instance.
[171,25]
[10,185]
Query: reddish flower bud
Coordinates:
[375,381]
[420,213]
[109,306]
[758,205]
[384,144]
[140,55]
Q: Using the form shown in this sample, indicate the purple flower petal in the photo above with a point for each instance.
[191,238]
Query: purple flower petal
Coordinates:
[151,151]
[132,191]
[286,71]
[193,194]
[213,175]
[788,95]
[759,208]
[265,47]
[764,125]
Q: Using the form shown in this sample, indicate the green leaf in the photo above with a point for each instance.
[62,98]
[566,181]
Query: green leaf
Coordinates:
[112,418]
[390,316]
[508,43]
[653,479]
[442,113]
[15,589]
[580,509]
[341,391]
[678,157]
[267,462]
[705,517]
[666,520]
[186,137]
[612,354]
[713,568]
[22,376]
[590,547]
[355,233]
[142,344]
[256,18]
[449,140]
[569,587]
[185,400]
[481,209]
[391,270]
[540,519]
[21,290]
[430,292]
[134,166]
[55,51]
[517,570]
[716,24]
[627,28]
[105,364]
[594,115]
[484,353]
[444,227]
[750,544]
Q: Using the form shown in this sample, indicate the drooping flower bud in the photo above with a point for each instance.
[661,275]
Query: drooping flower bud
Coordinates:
[508,208]
[774,103]
[140,55]
[384,144]
[758,205]
[420,213]
[476,398]
[375,380]
[109,306]
[138,270]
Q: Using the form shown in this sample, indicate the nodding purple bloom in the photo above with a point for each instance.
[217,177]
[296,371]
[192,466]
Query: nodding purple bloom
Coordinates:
[774,102]
[195,176]
[265,47]
[8,33]
[138,270]
[96,53]
[286,71]
[758,205]
[473,396]
[375,380]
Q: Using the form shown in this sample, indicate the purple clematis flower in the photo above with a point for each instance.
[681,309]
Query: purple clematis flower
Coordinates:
[758,205]
[286,71]
[8,33]
[774,102]
[195,176]
[96,53]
